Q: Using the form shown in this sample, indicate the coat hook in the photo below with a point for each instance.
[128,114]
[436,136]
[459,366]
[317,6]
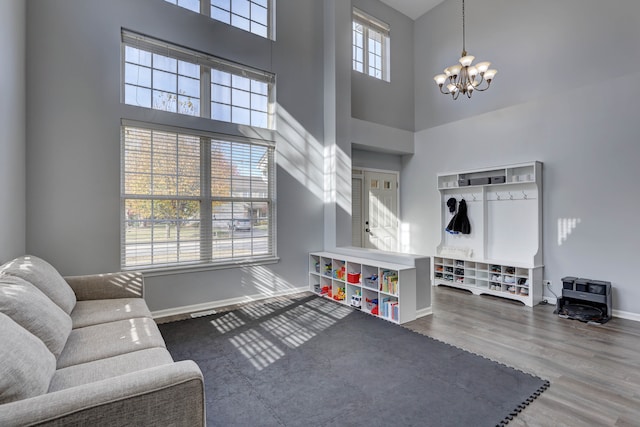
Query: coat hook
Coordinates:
[525,195]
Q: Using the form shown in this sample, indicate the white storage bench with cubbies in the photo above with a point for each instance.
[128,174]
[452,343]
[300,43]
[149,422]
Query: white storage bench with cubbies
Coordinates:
[508,281]
[385,290]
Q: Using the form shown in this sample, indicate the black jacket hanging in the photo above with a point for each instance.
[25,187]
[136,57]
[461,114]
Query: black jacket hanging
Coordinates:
[460,222]
[451,203]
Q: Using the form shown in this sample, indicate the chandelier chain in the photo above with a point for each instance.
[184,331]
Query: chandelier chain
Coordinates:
[464,49]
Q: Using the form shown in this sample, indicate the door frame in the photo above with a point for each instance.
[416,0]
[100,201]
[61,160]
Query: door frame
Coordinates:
[364,199]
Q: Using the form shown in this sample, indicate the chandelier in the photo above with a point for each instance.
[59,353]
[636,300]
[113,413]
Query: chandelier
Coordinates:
[465,78]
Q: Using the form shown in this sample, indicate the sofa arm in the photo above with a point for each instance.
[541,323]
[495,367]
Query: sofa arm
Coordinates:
[107,286]
[164,395]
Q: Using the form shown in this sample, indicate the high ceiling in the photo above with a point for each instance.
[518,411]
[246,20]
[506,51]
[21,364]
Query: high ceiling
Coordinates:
[413,8]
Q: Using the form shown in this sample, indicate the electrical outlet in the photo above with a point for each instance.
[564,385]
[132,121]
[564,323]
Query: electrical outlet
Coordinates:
[547,283]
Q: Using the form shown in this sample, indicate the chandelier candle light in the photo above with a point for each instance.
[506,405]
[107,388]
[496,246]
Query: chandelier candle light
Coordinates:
[464,77]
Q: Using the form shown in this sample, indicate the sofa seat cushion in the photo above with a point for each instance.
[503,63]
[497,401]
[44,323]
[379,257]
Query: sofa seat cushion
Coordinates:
[30,308]
[110,367]
[43,276]
[109,339]
[27,364]
[94,312]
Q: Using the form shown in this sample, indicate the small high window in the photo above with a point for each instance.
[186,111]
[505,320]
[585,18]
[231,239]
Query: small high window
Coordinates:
[370,45]
[249,15]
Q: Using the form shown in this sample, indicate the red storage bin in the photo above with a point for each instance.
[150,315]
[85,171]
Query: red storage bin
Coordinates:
[353,277]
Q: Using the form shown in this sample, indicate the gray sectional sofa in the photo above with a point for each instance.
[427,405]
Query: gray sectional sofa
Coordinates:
[85,350]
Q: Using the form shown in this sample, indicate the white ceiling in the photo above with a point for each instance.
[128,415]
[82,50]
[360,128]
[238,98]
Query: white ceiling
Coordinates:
[413,8]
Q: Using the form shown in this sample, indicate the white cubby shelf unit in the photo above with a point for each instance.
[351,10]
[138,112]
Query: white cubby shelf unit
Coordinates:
[389,287]
[502,255]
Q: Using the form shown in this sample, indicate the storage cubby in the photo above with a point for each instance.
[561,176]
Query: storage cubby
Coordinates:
[326,265]
[353,290]
[389,308]
[370,277]
[314,264]
[507,281]
[522,173]
[502,255]
[354,272]
[339,270]
[382,289]
[369,301]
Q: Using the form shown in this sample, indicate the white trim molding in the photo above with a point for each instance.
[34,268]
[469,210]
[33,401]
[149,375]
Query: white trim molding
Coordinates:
[212,305]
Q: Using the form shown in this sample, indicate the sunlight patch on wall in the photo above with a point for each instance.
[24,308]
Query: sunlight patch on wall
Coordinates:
[343,177]
[565,228]
[298,152]
[337,177]
[405,237]
[265,281]
[329,174]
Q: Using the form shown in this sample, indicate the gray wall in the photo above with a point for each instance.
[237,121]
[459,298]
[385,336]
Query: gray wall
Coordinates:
[12,128]
[375,160]
[337,122]
[387,103]
[374,115]
[582,124]
[566,95]
[73,155]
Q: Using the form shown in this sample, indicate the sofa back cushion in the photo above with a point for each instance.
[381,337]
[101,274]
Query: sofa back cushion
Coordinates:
[33,310]
[43,276]
[27,365]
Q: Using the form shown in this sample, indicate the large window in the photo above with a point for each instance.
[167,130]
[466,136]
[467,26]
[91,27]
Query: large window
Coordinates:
[194,198]
[370,45]
[166,77]
[250,15]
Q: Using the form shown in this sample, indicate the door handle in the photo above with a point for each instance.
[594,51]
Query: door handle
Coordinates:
[367,230]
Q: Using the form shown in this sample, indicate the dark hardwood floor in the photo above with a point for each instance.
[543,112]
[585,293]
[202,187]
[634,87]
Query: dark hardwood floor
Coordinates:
[594,370]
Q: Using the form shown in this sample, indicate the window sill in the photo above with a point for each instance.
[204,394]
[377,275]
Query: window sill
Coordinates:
[196,268]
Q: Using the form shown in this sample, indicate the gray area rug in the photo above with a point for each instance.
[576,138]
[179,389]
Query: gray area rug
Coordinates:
[313,362]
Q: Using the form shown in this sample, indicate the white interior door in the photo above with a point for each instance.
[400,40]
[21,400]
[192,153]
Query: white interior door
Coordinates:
[380,210]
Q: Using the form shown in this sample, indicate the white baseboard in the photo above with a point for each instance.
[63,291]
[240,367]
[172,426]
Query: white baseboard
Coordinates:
[187,309]
[626,315]
[424,312]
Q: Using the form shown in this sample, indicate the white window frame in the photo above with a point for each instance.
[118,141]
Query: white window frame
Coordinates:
[371,27]
[205,198]
[253,86]
[207,64]
[227,6]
